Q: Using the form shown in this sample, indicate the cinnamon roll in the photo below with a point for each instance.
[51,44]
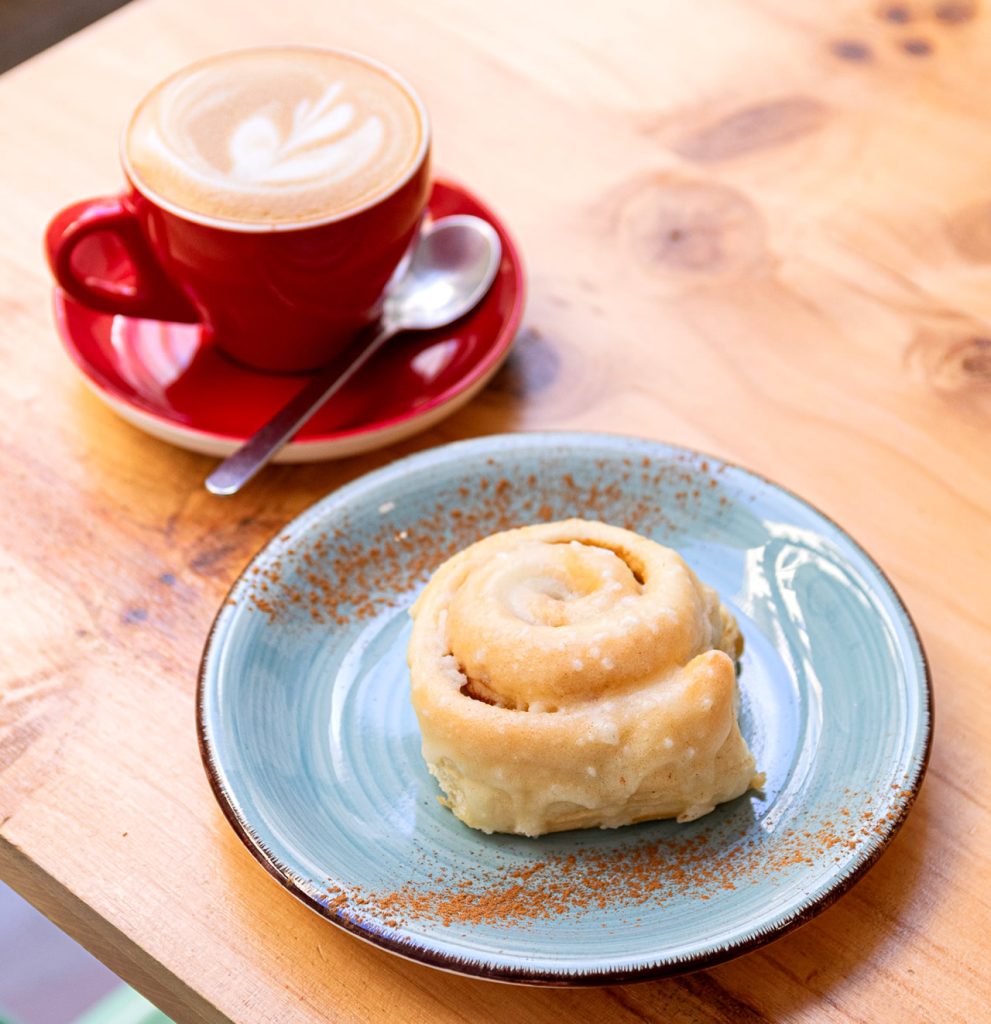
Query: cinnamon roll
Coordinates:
[576,674]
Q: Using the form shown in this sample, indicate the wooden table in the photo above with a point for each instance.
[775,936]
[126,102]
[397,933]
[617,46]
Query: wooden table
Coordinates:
[761,227]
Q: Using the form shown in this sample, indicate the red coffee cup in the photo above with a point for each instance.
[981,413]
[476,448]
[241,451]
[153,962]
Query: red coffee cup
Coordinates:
[273,296]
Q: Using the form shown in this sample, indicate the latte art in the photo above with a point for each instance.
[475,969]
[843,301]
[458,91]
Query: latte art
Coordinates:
[274,137]
[322,143]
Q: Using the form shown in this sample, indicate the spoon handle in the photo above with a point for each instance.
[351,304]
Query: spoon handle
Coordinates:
[237,469]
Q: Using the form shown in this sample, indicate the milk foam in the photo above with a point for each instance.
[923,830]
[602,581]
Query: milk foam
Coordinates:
[276,136]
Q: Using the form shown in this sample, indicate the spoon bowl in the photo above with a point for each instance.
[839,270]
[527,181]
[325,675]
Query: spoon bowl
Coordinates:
[449,271]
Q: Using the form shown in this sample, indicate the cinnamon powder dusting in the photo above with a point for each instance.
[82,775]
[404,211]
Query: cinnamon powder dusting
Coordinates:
[644,874]
[343,575]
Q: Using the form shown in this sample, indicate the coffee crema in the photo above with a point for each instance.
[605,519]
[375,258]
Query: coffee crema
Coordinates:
[275,137]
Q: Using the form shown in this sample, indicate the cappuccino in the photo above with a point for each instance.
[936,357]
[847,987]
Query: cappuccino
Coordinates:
[275,138]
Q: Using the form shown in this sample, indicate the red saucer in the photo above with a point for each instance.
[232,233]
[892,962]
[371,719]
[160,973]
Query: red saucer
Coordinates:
[160,377]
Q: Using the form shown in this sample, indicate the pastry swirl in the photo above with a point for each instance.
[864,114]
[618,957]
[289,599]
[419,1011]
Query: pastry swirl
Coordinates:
[575,674]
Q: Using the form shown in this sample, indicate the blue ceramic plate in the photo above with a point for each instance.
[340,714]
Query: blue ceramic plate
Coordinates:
[312,746]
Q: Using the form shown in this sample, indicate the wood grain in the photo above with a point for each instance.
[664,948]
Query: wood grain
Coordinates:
[762,229]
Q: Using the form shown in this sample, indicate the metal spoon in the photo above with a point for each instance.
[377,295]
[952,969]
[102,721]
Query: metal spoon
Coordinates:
[451,268]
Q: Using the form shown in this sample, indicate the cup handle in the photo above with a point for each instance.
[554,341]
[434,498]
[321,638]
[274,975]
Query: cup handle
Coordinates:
[153,296]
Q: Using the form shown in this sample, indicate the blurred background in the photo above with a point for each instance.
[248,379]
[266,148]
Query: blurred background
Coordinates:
[30,26]
[45,977]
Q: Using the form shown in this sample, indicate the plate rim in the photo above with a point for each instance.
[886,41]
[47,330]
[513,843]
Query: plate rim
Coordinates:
[318,449]
[663,968]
